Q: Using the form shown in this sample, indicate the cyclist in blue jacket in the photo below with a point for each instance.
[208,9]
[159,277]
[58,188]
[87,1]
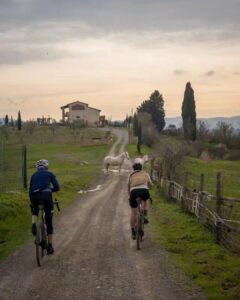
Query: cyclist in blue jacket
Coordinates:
[43,183]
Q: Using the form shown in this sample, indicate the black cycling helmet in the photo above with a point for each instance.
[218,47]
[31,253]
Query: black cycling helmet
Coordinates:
[137,164]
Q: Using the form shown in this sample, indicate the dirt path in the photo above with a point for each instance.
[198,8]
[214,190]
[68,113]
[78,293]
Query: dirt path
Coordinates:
[122,140]
[95,257]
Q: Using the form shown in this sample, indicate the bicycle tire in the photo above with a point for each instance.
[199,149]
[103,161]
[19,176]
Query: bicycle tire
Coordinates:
[138,231]
[142,227]
[38,245]
[40,242]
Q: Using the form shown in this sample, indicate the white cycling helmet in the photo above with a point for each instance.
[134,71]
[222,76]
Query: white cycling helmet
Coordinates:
[42,164]
[137,164]
[138,161]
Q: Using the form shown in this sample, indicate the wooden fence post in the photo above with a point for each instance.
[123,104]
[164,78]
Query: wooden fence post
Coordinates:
[200,195]
[24,166]
[218,206]
[169,191]
[184,191]
[201,185]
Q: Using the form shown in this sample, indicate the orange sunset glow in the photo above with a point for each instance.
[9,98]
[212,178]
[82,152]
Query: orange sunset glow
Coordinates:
[114,55]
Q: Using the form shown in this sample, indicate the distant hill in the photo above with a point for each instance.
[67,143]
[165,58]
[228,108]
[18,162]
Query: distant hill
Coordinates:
[212,122]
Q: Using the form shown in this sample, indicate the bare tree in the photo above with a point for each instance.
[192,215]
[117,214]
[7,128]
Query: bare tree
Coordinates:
[223,133]
[171,156]
[203,131]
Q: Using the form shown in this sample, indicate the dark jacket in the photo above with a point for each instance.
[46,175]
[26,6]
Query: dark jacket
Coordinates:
[42,181]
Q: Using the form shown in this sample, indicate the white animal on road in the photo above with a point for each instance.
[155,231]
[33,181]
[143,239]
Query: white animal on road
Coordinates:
[115,160]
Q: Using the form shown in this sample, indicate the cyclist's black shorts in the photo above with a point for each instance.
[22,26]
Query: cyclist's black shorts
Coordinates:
[141,193]
[44,198]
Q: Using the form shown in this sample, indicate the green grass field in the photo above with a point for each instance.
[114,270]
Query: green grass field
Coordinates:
[75,166]
[230,171]
[189,243]
[132,150]
[191,248]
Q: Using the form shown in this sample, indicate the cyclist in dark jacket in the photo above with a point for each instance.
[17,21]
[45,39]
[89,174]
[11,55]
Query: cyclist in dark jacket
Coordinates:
[43,183]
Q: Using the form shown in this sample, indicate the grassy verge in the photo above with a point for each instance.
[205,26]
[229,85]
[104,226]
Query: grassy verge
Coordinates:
[75,167]
[230,171]
[132,150]
[192,249]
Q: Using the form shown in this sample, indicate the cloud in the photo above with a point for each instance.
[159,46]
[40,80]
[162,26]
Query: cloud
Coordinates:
[42,42]
[34,30]
[12,101]
[210,73]
[178,72]
[114,15]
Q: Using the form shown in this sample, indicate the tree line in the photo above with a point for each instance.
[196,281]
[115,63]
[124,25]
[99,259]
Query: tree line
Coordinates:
[153,109]
[11,122]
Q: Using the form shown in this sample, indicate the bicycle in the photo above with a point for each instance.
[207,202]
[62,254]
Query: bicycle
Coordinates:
[41,240]
[140,223]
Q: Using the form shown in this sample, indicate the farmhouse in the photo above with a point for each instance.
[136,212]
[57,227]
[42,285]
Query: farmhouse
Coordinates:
[80,111]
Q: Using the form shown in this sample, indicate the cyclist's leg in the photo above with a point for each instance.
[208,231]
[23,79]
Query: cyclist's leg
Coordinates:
[133,217]
[48,208]
[145,196]
[145,205]
[133,221]
[35,211]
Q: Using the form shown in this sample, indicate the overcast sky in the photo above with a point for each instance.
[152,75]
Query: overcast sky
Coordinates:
[114,54]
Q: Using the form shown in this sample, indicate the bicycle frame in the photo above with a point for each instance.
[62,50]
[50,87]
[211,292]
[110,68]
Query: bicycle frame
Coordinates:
[41,237]
[41,240]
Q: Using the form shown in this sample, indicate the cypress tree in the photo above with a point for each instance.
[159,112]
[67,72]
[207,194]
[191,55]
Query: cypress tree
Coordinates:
[19,121]
[6,120]
[12,123]
[135,124]
[189,113]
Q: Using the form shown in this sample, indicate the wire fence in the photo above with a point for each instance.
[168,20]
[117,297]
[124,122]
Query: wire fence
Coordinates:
[12,171]
[220,214]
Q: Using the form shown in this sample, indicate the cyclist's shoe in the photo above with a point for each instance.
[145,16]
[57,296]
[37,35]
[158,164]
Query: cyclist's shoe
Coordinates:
[146,220]
[34,229]
[133,234]
[50,249]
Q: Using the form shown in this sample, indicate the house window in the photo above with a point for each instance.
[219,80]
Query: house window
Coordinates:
[78,107]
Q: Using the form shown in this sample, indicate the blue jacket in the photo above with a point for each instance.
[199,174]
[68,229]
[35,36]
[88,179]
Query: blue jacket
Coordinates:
[43,180]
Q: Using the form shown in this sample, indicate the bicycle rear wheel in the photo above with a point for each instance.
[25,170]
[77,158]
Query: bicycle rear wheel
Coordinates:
[40,243]
[138,231]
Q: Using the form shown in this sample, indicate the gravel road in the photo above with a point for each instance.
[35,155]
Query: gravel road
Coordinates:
[95,257]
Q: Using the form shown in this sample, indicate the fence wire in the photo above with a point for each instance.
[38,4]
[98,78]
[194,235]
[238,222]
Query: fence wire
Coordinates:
[10,168]
[221,216]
